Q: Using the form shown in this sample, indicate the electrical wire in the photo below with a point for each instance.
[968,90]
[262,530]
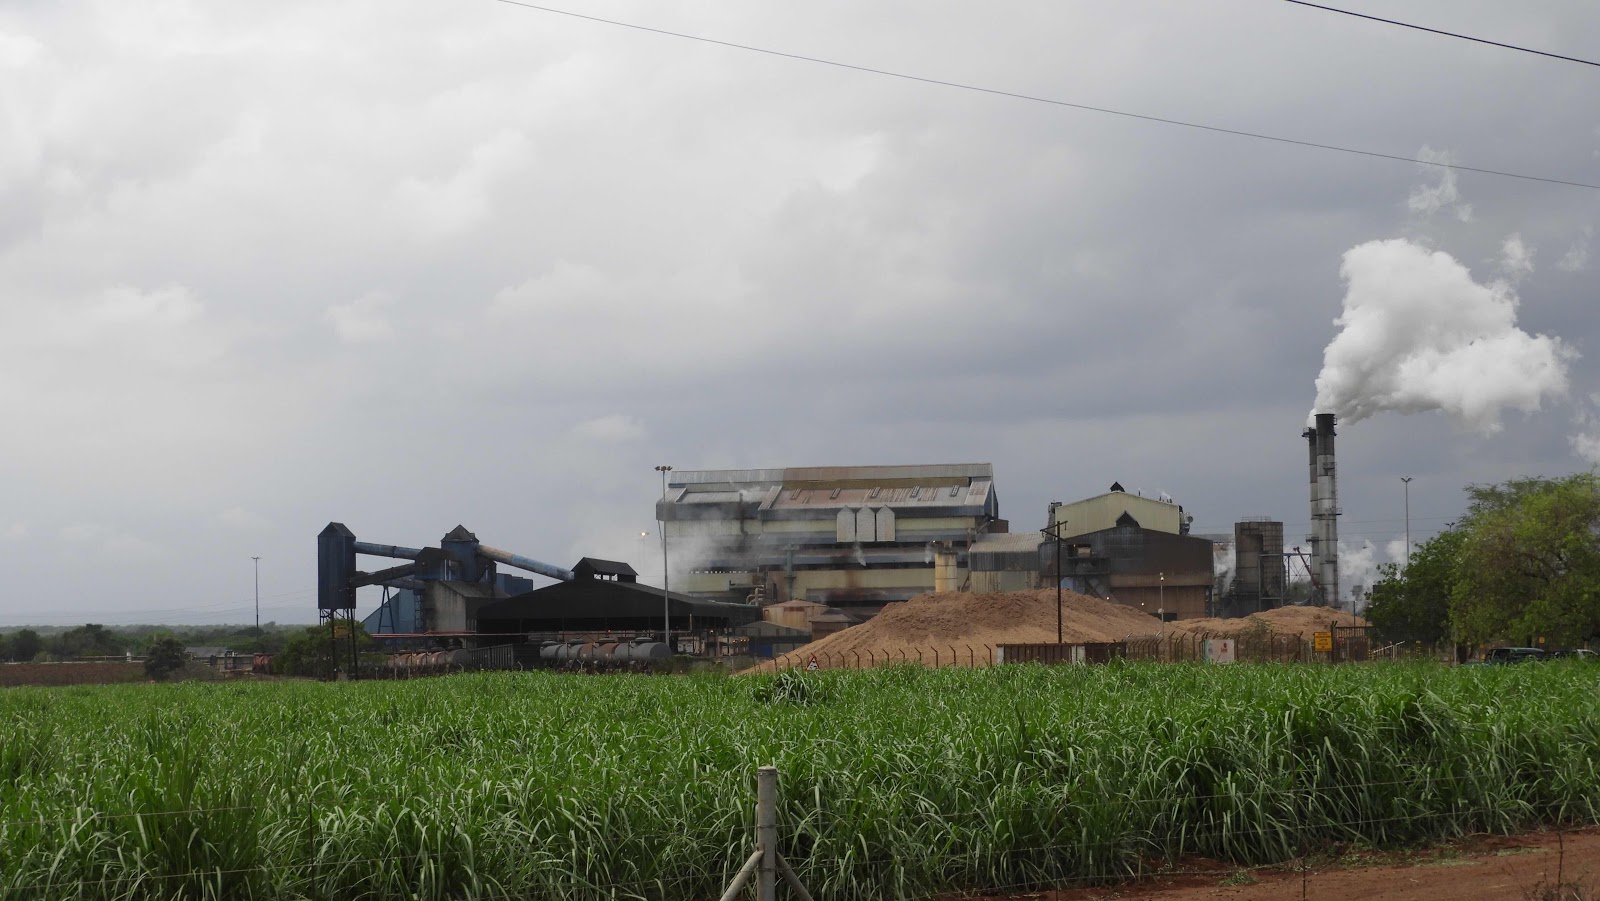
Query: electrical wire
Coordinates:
[1448,34]
[1260,136]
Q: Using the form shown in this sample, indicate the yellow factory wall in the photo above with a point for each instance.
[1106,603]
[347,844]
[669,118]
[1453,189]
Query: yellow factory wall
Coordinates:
[1099,513]
[824,579]
[906,522]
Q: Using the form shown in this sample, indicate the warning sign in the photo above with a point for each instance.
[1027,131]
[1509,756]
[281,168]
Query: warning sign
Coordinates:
[1322,641]
[811,665]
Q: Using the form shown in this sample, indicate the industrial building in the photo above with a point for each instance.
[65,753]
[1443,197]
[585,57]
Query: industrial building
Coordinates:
[853,538]
[605,597]
[1132,549]
[453,595]
[1136,551]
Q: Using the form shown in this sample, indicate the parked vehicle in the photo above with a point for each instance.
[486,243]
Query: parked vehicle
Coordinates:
[1513,655]
[1577,654]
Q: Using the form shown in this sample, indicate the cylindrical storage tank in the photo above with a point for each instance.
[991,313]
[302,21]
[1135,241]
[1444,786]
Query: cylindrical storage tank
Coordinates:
[551,650]
[607,649]
[458,657]
[643,650]
[438,658]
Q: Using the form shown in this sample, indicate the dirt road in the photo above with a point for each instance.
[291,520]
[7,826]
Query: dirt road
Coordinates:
[1490,869]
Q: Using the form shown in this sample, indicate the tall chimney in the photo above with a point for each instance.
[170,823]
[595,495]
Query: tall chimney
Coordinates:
[1314,540]
[1326,516]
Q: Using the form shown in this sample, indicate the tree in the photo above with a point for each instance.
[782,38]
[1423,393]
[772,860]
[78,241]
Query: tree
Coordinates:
[163,657]
[1529,565]
[23,645]
[308,653]
[88,640]
[1413,604]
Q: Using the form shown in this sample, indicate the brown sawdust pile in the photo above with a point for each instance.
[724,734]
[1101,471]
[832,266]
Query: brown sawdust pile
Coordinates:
[956,621]
[1281,620]
[966,625]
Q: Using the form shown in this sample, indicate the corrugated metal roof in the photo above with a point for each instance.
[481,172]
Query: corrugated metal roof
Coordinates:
[897,473]
[724,476]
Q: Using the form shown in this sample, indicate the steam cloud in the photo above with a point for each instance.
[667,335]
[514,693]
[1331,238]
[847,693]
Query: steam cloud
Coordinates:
[1418,333]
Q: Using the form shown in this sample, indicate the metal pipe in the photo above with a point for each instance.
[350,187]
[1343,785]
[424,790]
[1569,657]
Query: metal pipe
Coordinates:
[387,550]
[525,563]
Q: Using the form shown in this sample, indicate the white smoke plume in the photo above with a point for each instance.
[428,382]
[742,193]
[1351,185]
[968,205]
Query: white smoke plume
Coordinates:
[1222,563]
[1358,570]
[1418,333]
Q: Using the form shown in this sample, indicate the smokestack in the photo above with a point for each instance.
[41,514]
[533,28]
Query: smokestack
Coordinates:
[1313,540]
[1325,515]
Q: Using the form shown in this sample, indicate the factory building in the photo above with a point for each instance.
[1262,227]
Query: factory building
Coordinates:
[854,538]
[604,596]
[1135,550]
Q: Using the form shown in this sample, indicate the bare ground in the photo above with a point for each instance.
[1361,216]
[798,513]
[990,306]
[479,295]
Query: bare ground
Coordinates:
[1534,867]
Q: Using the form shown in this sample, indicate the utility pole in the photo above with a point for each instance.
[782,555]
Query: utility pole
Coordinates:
[258,595]
[666,603]
[1054,531]
[1407,481]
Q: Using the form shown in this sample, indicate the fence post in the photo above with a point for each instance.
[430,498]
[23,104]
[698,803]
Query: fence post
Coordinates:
[767,833]
[935,658]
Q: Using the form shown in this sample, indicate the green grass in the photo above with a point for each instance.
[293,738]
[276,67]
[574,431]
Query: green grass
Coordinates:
[898,782]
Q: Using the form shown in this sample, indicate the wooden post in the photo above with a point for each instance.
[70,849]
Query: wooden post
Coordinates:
[767,833]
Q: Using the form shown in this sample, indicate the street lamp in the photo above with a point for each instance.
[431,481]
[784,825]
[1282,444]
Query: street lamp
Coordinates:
[1161,600]
[1407,481]
[258,592]
[666,608]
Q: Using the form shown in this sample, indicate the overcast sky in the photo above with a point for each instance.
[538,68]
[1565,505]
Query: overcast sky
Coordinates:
[414,263]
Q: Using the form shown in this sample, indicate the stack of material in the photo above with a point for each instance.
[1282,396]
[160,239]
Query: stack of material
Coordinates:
[1281,620]
[957,621]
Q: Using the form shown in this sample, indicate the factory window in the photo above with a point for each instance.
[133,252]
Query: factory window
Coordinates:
[794,494]
[873,495]
[834,495]
[954,490]
[914,492]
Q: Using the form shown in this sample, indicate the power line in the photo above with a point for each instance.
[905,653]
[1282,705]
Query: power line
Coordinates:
[1037,99]
[1448,34]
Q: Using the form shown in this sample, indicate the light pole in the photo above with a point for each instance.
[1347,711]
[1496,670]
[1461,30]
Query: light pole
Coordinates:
[1161,600]
[666,608]
[1407,481]
[258,592]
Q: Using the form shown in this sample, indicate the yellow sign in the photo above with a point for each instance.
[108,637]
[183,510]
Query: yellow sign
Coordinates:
[1322,641]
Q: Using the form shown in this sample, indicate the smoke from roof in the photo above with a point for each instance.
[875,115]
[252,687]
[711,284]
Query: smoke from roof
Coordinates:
[1418,333]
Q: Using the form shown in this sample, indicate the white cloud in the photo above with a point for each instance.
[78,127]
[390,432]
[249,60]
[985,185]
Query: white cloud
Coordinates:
[80,532]
[19,51]
[1516,257]
[1443,193]
[15,532]
[613,428]
[1576,259]
[362,320]
[243,520]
